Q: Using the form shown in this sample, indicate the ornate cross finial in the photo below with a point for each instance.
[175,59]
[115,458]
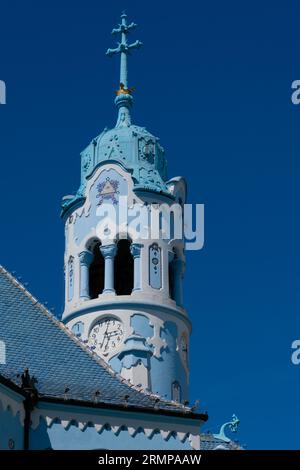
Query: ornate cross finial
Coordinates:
[123,49]
[232,425]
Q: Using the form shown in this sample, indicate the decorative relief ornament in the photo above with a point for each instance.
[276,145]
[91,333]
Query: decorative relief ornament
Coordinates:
[155,266]
[71,278]
[149,178]
[108,190]
[232,425]
[159,344]
[147,150]
[113,149]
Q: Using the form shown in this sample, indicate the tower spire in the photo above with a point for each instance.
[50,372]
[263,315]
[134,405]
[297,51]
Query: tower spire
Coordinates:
[124,98]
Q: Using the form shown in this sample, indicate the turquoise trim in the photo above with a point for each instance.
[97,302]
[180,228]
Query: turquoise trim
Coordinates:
[78,200]
[161,196]
[111,161]
[71,206]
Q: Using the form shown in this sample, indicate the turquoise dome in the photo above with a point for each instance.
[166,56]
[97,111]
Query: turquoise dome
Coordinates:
[135,149]
[129,146]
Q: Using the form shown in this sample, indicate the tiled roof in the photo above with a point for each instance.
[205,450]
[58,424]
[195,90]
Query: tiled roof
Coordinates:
[36,340]
[209,442]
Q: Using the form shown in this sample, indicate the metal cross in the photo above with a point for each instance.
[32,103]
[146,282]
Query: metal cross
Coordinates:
[123,48]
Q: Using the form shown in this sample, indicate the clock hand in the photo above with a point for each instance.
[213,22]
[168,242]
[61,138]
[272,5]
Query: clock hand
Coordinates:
[113,333]
[108,336]
[107,342]
[105,333]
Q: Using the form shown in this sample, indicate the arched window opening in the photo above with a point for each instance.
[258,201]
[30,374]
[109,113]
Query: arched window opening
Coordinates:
[123,271]
[96,273]
[176,391]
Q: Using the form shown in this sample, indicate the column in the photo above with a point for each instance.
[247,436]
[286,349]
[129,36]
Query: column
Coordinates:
[170,274]
[85,258]
[136,253]
[108,252]
[178,276]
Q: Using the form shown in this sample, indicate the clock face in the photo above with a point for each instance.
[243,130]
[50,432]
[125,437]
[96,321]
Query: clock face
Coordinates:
[106,335]
[184,348]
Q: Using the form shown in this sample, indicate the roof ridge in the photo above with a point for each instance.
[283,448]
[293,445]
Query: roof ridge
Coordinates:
[84,348]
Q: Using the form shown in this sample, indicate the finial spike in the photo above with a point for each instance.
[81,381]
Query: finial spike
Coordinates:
[123,47]
[124,98]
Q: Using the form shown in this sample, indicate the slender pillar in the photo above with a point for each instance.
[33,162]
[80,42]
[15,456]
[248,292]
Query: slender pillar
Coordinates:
[85,258]
[178,265]
[171,286]
[135,249]
[108,252]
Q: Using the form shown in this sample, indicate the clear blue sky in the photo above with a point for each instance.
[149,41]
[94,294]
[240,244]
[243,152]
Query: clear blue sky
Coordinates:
[213,82]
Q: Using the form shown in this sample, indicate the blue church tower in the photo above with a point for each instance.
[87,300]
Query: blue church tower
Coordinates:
[113,373]
[123,295]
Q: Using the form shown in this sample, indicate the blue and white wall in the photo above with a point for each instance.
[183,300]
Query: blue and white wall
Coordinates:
[154,349]
[59,427]
[11,420]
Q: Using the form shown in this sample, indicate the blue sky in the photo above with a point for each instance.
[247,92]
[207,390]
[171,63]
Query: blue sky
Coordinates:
[213,81]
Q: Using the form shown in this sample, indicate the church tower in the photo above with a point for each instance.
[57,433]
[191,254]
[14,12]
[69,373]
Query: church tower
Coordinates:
[123,290]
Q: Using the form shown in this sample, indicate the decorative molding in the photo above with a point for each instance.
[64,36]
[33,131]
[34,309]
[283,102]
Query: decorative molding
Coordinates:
[135,249]
[14,406]
[70,278]
[118,423]
[86,257]
[108,190]
[155,266]
[108,251]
